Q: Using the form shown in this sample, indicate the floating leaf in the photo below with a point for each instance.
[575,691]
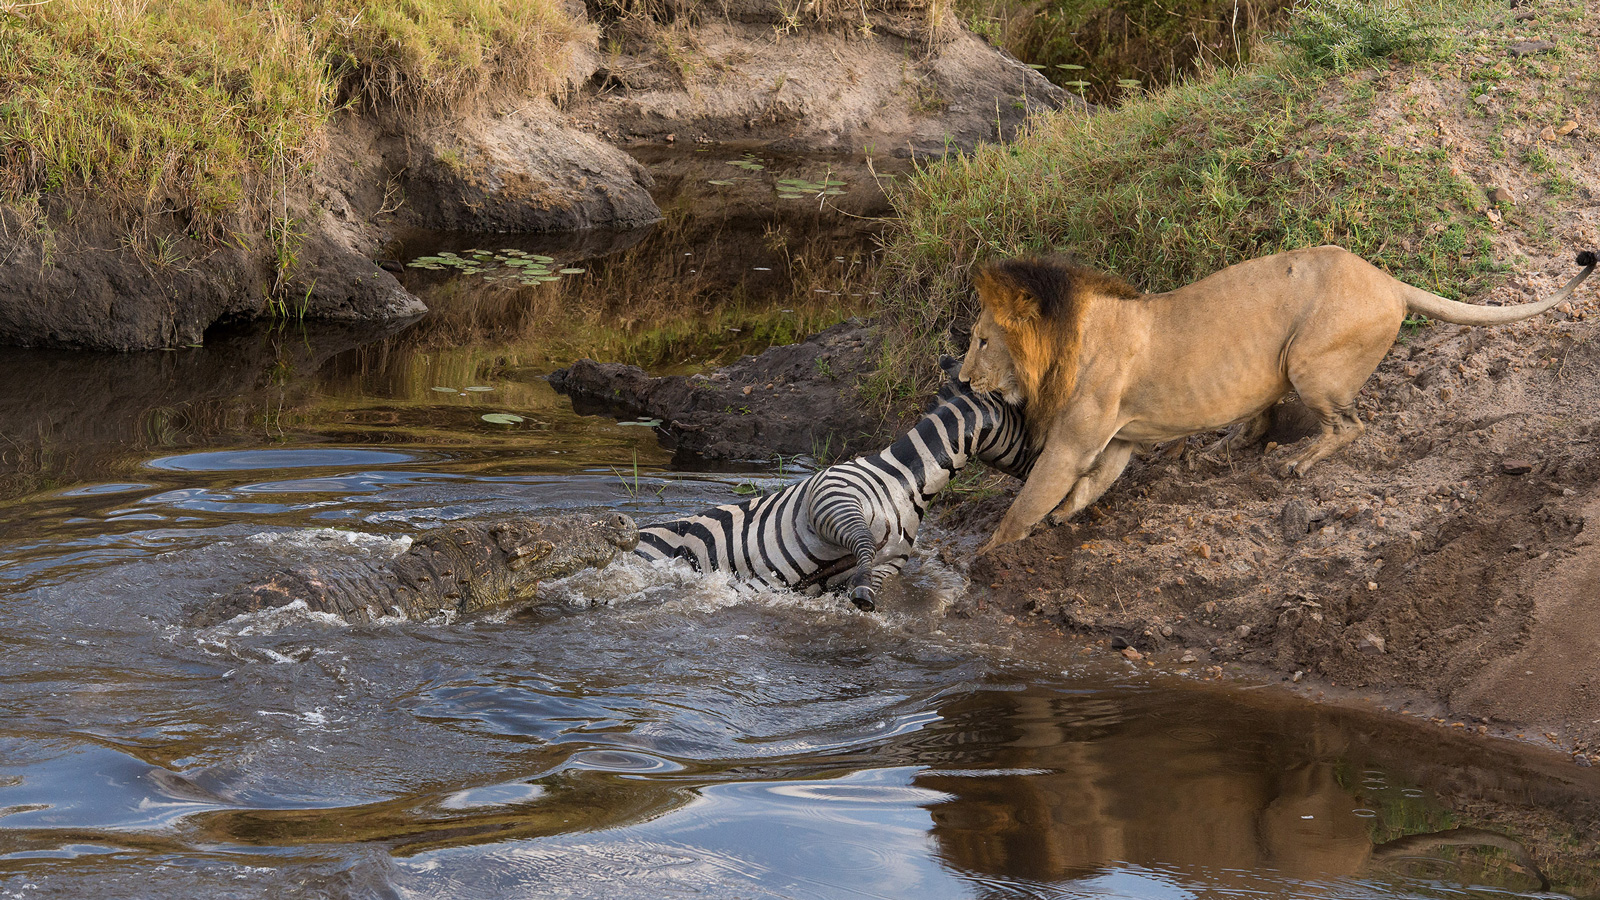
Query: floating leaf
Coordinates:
[501,418]
[544,259]
[790,197]
[1068,66]
[479,387]
[722,181]
[444,390]
[573,271]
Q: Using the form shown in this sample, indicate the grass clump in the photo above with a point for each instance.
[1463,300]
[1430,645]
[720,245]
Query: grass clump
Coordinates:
[1175,185]
[199,107]
[1106,49]
[1342,34]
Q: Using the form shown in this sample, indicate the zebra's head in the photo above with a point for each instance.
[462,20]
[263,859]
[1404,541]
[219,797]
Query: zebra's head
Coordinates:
[1000,434]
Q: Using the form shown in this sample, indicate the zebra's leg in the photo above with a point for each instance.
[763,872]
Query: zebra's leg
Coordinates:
[843,524]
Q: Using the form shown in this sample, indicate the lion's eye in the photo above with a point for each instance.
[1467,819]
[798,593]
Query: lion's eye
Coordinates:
[982,343]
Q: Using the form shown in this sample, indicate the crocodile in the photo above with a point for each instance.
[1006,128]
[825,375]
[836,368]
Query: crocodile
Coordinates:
[461,570]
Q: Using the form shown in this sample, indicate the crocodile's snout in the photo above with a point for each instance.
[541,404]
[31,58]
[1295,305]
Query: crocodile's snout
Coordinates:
[622,531]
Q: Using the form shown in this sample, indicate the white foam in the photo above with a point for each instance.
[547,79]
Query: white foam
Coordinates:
[632,580]
[324,538]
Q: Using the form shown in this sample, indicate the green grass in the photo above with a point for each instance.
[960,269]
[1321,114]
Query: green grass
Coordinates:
[1104,49]
[204,108]
[1170,187]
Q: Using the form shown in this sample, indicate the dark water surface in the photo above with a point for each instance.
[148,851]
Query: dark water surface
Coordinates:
[640,732]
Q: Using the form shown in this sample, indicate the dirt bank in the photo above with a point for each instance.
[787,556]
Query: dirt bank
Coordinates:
[80,273]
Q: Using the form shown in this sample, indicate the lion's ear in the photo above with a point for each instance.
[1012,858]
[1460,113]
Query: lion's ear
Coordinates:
[1012,307]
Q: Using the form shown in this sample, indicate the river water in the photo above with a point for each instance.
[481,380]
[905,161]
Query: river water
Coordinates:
[639,732]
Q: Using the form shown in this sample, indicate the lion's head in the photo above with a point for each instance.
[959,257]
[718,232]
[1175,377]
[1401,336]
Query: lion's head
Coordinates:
[987,365]
[1029,335]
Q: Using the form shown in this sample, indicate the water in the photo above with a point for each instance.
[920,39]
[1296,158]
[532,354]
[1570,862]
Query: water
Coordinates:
[639,732]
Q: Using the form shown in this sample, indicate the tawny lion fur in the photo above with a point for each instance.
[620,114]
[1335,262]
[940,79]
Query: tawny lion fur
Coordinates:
[1102,369]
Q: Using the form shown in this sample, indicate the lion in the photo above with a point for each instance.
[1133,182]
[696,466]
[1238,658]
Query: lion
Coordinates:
[1102,369]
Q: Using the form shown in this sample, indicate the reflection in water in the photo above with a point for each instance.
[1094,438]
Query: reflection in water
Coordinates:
[1083,783]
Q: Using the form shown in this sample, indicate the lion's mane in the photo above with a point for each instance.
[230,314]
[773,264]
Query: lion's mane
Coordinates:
[1040,303]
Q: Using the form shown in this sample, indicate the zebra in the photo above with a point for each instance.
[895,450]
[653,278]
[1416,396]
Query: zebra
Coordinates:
[855,521]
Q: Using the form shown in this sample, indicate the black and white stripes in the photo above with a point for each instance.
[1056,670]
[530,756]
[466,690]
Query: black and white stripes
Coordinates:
[855,521]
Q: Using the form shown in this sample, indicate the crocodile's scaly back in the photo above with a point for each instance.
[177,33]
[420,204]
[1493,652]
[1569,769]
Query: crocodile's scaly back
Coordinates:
[459,570]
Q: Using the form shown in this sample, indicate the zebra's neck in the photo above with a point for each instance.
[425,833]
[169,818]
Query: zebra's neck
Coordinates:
[942,441]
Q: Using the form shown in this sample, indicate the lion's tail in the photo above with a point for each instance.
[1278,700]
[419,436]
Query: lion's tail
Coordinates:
[1435,307]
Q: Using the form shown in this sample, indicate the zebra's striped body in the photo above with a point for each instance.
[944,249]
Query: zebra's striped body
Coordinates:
[855,521]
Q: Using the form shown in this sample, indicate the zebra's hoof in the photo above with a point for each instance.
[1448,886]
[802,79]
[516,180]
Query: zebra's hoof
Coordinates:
[862,598]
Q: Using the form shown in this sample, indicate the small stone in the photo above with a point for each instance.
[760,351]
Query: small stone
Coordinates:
[1529,48]
[1501,195]
[1567,128]
[1166,631]
[1204,551]
[1189,658]
[748,389]
[1131,654]
[1515,466]
[1547,133]
[1372,585]
[1294,521]
[1370,643]
[1297,676]
[1243,631]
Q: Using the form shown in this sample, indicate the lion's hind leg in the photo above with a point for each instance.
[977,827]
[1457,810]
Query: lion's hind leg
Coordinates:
[1340,426]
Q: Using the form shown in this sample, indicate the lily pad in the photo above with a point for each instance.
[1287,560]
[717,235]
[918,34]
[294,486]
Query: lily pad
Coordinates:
[479,387]
[573,271]
[501,418]
[444,390]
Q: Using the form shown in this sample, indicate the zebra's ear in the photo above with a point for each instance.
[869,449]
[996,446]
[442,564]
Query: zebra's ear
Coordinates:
[951,367]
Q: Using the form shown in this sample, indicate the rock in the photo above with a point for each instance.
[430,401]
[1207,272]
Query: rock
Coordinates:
[1501,195]
[1294,521]
[1515,466]
[903,88]
[1547,133]
[1567,127]
[1189,657]
[1131,654]
[1529,48]
[1371,643]
[1242,632]
[713,417]
[526,171]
